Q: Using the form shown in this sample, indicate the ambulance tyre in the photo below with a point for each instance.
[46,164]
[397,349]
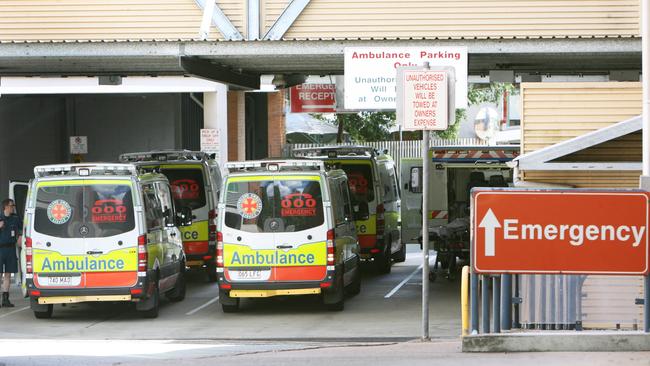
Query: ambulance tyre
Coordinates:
[334,298]
[355,287]
[149,307]
[178,292]
[228,304]
[211,270]
[383,261]
[41,311]
[400,256]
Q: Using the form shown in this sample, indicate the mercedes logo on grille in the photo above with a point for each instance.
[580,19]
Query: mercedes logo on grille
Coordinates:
[84,230]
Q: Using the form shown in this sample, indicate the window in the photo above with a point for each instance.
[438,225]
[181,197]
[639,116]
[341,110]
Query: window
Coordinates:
[347,203]
[188,187]
[165,196]
[274,206]
[337,202]
[91,211]
[360,181]
[152,207]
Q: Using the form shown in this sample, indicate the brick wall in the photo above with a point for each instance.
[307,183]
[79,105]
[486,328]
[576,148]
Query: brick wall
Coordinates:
[236,126]
[276,133]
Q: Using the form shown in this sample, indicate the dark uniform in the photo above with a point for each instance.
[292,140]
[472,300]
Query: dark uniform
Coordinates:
[8,236]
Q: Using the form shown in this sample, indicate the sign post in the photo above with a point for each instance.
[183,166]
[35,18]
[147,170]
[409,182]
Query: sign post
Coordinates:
[423,103]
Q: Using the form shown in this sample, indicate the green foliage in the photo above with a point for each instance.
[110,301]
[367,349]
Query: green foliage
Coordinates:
[489,93]
[364,126]
[374,126]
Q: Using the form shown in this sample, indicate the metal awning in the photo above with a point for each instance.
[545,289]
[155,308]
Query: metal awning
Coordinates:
[240,63]
[545,159]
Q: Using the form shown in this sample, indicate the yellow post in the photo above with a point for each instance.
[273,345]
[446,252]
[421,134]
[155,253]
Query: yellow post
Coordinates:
[464,300]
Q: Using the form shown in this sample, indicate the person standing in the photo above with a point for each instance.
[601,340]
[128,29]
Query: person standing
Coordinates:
[10,231]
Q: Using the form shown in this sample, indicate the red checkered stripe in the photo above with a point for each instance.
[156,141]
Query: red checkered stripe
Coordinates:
[439,214]
[474,154]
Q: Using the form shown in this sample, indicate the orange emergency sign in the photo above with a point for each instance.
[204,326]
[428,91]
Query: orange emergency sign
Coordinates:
[560,231]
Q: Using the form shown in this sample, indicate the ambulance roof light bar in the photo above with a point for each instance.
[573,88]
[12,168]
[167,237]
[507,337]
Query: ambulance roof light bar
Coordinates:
[164,155]
[335,151]
[275,165]
[84,169]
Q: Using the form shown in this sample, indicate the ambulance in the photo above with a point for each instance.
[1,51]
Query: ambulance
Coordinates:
[374,186]
[453,172]
[286,227]
[195,178]
[102,232]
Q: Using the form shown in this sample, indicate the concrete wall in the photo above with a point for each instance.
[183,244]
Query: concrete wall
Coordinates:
[35,129]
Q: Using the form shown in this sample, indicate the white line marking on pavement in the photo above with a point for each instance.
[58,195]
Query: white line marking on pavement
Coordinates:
[13,312]
[191,312]
[393,291]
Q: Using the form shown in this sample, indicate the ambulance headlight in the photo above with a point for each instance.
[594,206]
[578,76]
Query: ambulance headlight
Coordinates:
[84,172]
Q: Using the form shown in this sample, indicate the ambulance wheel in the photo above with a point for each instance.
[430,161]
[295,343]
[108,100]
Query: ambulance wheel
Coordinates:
[154,301]
[334,297]
[211,270]
[178,292]
[355,287]
[383,261]
[400,256]
[228,304]
[44,314]
[230,308]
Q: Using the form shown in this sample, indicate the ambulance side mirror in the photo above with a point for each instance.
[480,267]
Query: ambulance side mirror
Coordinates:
[184,216]
[415,181]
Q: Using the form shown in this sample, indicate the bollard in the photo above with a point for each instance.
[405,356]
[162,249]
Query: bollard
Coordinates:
[496,309]
[646,304]
[464,301]
[485,303]
[474,300]
[506,301]
[515,321]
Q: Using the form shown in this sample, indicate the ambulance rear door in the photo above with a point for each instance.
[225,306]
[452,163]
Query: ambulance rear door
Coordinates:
[84,234]
[274,229]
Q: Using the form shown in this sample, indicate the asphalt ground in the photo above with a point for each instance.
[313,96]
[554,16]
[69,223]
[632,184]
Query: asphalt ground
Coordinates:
[388,308]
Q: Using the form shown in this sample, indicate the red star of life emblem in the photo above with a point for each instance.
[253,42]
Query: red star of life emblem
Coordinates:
[59,211]
[249,205]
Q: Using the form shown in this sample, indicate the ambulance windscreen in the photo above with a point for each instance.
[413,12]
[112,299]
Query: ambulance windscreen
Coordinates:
[84,211]
[188,187]
[274,206]
[360,182]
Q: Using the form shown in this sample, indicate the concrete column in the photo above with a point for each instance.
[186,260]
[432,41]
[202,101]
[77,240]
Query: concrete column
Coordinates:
[277,126]
[215,113]
[236,126]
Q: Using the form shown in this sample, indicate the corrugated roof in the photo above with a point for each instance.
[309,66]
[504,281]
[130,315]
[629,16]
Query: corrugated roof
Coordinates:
[317,39]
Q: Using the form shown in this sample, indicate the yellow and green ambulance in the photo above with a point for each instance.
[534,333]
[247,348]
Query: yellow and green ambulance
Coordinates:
[286,227]
[101,232]
[195,178]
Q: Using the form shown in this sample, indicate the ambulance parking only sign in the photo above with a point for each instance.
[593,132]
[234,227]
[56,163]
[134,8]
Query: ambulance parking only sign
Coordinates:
[560,231]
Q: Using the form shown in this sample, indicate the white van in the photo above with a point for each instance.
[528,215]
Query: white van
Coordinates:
[453,172]
[102,232]
[286,227]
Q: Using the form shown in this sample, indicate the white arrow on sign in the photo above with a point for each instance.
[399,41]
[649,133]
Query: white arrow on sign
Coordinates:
[489,223]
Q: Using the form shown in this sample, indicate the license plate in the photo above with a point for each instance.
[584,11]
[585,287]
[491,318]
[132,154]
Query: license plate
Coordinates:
[59,281]
[249,275]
